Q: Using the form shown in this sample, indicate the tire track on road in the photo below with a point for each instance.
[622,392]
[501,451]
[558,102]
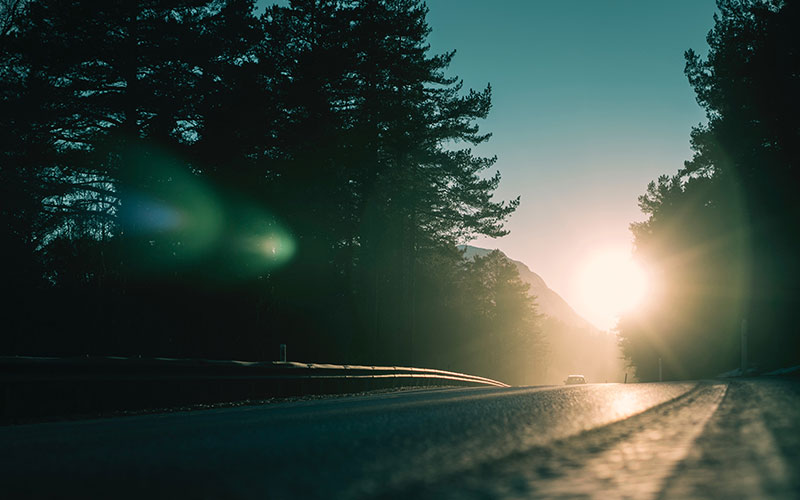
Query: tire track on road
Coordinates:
[632,458]
[746,448]
[639,464]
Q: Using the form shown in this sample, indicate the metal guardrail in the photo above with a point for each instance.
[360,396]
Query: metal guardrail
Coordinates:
[22,368]
[42,387]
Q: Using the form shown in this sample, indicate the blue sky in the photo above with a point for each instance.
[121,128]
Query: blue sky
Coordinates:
[589,104]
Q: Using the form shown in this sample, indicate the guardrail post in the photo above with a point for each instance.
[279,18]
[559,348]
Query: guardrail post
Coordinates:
[283,353]
[660,378]
[744,347]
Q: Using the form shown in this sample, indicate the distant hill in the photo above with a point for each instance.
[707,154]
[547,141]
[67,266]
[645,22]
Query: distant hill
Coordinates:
[549,302]
[573,344]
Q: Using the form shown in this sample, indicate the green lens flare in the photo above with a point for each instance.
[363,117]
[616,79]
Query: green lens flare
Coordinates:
[262,242]
[277,248]
[175,219]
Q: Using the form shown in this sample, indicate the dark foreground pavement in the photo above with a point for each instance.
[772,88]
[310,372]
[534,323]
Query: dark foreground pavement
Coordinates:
[710,439]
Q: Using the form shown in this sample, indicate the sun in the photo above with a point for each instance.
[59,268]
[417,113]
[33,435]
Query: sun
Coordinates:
[609,283]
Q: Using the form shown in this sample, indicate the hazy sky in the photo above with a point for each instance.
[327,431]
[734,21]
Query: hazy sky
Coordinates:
[589,104]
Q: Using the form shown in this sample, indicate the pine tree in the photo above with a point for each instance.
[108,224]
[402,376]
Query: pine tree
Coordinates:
[366,170]
[417,194]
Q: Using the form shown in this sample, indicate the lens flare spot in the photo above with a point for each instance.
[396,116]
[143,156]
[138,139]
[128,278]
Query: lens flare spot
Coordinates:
[266,251]
[277,247]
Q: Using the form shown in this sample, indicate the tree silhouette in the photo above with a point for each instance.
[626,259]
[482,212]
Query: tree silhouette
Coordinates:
[505,325]
[184,178]
[368,117]
[719,230]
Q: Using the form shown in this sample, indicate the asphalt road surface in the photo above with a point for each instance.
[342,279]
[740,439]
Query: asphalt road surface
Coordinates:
[708,439]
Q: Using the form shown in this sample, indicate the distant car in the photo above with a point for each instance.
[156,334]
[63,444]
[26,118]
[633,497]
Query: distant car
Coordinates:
[575,379]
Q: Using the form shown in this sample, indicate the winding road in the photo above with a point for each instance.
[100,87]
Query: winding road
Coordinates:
[705,439]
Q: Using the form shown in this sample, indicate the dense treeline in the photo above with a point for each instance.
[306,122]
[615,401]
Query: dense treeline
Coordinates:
[722,233]
[189,178]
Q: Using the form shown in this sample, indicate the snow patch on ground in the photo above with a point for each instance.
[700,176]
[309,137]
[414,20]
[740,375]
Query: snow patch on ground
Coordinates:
[785,371]
[791,370]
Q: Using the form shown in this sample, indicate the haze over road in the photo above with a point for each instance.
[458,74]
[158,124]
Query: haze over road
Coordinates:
[724,439]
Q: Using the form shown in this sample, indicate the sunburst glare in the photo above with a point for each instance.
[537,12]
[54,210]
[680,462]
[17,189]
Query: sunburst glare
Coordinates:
[610,282]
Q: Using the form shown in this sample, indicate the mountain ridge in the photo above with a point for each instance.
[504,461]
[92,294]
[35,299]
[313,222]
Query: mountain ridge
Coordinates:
[548,301]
